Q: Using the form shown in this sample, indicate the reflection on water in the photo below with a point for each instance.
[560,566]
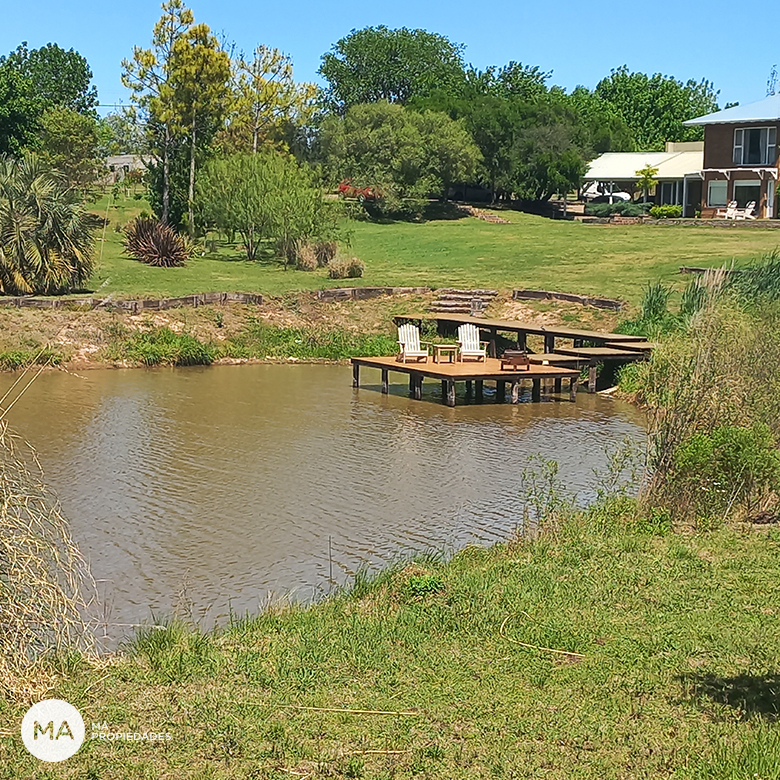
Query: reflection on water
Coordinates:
[228,481]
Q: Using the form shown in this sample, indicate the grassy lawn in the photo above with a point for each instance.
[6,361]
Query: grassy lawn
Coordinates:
[677,639]
[615,261]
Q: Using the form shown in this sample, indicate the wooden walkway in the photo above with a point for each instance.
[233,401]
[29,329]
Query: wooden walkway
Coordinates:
[476,372]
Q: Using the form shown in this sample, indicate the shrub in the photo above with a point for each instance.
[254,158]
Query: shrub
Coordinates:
[155,243]
[668,211]
[346,268]
[730,466]
[306,257]
[325,252]
[161,347]
[622,208]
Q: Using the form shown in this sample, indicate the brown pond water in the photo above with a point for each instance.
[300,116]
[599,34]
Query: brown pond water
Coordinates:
[217,486]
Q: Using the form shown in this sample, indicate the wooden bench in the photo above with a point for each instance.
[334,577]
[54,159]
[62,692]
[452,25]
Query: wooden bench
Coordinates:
[515,359]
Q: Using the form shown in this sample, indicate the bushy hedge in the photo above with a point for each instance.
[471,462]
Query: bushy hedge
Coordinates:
[623,208]
[668,211]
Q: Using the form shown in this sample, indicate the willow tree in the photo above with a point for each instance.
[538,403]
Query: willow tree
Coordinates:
[199,81]
[148,76]
[263,197]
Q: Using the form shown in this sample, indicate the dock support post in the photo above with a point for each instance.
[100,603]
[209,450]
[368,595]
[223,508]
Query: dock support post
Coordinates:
[536,391]
[385,381]
[478,388]
[592,379]
[521,340]
[492,345]
[515,390]
[500,391]
[355,374]
[417,381]
[468,388]
[549,342]
[557,384]
[573,388]
[450,392]
[443,389]
[411,384]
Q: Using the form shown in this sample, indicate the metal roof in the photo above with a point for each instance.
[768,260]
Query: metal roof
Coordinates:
[623,166]
[766,110]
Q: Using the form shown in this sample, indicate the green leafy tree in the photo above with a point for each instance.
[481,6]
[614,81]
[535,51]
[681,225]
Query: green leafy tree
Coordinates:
[56,77]
[646,180]
[655,107]
[267,196]
[46,239]
[19,112]
[148,76]
[405,153]
[70,142]
[122,133]
[377,63]
[199,78]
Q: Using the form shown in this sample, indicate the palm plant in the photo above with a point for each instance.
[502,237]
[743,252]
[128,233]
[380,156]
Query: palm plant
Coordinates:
[46,239]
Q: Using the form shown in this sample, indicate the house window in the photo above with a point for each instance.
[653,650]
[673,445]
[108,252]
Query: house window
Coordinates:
[755,146]
[747,192]
[717,194]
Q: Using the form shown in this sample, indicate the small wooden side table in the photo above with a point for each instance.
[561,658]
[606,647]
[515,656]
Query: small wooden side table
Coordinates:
[445,349]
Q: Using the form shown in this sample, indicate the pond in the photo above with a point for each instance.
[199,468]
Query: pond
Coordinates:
[216,489]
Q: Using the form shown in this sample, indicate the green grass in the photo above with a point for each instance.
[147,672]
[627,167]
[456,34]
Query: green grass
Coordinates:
[614,261]
[679,675]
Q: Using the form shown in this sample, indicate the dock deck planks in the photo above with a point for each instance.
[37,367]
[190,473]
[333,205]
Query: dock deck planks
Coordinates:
[470,371]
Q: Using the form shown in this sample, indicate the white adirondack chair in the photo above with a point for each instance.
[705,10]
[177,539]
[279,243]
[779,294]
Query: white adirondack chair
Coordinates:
[470,345]
[729,213]
[747,212]
[409,341]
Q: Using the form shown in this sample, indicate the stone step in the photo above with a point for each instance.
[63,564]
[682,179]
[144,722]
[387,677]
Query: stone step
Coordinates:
[472,293]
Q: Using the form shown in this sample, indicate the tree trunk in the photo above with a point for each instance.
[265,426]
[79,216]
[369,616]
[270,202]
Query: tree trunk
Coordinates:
[191,198]
[255,130]
[166,193]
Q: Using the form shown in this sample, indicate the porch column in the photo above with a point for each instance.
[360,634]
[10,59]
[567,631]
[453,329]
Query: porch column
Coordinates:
[685,197]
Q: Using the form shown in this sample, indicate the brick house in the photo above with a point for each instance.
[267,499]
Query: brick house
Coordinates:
[741,159]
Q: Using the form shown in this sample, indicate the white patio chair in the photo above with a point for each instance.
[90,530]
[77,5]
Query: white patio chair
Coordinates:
[729,213]
[747,212]
[469,343]
[409,341]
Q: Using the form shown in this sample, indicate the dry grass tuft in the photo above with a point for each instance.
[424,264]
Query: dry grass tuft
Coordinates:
[306,258]
[346,268]
[325,251]
[43,577]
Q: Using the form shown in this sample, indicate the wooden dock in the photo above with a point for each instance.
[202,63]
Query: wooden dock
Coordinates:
[474,374]
[587,349]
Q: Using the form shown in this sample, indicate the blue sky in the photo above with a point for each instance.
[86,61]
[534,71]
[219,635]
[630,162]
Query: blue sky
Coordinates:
[579,41]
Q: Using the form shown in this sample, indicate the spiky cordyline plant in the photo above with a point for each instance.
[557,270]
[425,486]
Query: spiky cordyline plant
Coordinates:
[46,238]
[155,243]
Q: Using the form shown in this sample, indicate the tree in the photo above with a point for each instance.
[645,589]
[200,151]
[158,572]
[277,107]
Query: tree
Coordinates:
[70,142]
[646,179]
[147,75]
[655,107]
[266,101]
[405,153]
[55,76]
[377,63]
[263,196]
[18,112]
[46,240]
[122,133]
[198,79]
